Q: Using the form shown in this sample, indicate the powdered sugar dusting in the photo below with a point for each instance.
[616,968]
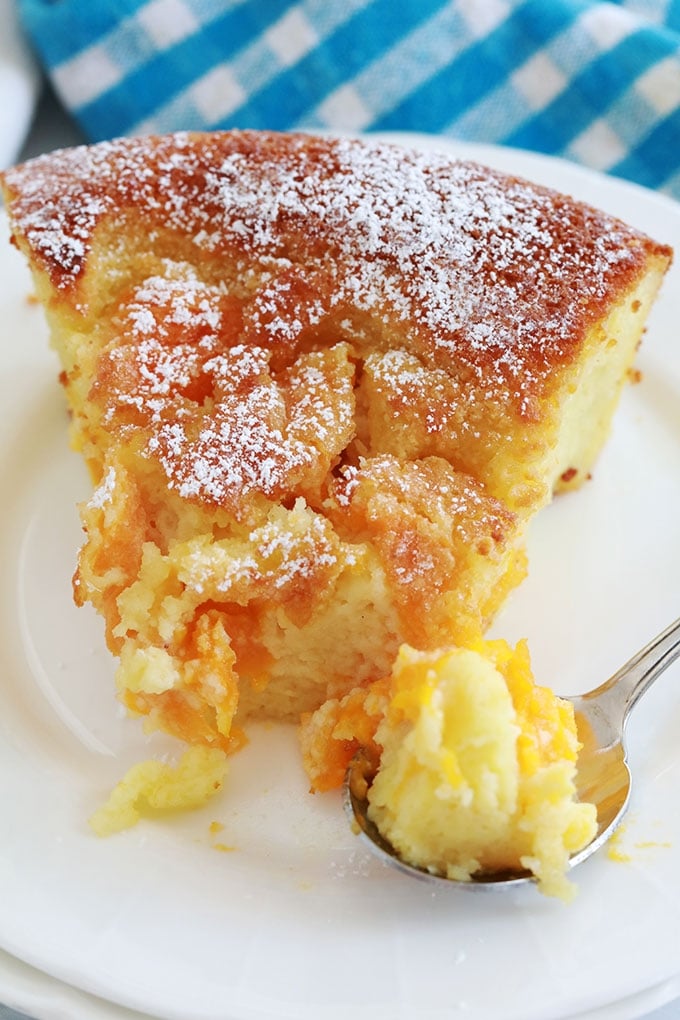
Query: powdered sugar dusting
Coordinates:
[476,272]
[278,555]
[103,494]
[238,452]
[445,244]
[257,434]
[294,556]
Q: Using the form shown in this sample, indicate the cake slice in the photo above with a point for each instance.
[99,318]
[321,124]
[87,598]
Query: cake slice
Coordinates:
[321,387]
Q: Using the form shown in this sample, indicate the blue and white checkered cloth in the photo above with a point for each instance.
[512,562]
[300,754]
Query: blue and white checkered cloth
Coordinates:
[598,83]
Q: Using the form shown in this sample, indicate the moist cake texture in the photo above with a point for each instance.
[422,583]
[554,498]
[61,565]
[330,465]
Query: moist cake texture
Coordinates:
[321,387]
[474,763]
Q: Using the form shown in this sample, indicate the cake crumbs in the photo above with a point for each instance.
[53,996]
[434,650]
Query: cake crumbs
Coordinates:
[620,850]
[154,786]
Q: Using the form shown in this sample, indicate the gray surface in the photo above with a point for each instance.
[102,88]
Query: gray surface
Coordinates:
[52,128]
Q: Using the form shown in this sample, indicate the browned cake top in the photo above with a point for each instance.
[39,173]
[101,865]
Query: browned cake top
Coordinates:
[468,254]
[300,247]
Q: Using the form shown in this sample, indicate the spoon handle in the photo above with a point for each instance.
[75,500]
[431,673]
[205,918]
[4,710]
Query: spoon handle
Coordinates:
[625,688]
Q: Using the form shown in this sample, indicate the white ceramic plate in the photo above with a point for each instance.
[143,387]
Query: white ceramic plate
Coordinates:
[296,922]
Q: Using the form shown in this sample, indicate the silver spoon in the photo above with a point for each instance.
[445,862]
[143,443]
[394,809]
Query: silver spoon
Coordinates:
[603,777]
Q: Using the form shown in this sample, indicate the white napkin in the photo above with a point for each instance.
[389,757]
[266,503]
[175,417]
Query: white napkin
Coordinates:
[19,84]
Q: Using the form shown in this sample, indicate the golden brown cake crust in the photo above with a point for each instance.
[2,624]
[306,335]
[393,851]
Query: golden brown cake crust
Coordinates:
[470,263]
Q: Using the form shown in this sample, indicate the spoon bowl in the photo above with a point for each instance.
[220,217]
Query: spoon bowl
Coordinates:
[603,777]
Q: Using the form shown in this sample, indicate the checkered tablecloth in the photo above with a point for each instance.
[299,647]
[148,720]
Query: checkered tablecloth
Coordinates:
[596,82]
